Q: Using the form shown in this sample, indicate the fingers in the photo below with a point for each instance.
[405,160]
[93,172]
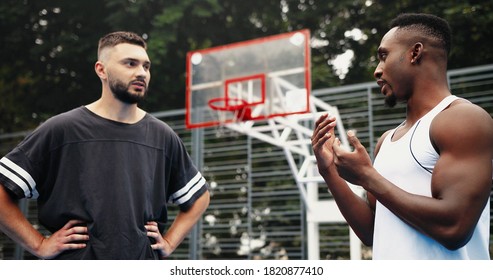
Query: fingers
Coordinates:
[161,245]
[72,223]
[321,119]
[323,126]
[75,227]
[152,226]
[354,141]
[351,136]
[337,148]
[75,231]
[325,123]
[76,237]
[73,235]
[153,230]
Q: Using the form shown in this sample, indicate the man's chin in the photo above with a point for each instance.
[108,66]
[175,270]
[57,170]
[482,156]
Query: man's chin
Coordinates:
[130,98]
[390,101]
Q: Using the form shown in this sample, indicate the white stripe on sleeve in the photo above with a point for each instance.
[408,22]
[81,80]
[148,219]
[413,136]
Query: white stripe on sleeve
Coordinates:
[20,178]
[185,193]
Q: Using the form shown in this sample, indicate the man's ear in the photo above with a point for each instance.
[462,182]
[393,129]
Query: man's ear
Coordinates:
[100,70]
[417,53]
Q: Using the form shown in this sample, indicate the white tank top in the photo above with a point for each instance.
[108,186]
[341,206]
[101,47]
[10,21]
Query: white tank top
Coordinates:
[408,163]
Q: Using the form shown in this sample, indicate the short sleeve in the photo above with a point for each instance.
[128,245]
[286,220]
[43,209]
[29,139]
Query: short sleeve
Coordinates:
[186,183]
[21,169]
[25,168]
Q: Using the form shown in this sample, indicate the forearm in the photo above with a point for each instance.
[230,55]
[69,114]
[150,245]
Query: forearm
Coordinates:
[15,225]
[185,221]
[355,209]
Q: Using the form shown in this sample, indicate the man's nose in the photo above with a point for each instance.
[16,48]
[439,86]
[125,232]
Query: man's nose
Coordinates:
[142,71]
[378,72]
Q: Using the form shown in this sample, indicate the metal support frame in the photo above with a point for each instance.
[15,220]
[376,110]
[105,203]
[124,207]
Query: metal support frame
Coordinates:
[294,137]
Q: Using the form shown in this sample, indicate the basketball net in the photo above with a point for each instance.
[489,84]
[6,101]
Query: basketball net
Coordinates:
[229,110]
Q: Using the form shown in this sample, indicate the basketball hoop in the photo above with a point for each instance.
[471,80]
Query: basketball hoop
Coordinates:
[238,109]
[229,110]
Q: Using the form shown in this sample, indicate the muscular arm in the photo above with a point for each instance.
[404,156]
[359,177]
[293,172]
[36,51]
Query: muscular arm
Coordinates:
[461,181]
[14,224]
[180,228]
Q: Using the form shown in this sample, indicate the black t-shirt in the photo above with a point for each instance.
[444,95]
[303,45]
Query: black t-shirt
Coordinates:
[112,175]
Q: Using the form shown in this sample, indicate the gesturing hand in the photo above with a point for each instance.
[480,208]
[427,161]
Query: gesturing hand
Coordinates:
[162,246]
[323,141]
[352,166]
[69,237]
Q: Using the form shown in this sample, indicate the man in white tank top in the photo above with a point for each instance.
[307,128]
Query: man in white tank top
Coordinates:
[428,191]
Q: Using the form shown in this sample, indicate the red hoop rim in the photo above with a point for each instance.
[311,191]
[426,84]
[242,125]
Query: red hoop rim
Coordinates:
[227,107]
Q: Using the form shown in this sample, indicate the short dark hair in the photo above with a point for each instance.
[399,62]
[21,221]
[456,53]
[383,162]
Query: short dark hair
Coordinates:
[429,25]
[120,37]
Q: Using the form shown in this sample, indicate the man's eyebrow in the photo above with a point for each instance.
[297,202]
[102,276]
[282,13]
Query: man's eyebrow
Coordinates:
[381,50]
[136,60]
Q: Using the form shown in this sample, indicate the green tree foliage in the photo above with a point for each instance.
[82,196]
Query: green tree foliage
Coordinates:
[47,58]
[49,46]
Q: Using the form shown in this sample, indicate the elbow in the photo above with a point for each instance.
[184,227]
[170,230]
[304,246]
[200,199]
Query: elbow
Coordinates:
[205,199]
[455,232]
[366,238]
[367,242]
[455,244]
[455,239]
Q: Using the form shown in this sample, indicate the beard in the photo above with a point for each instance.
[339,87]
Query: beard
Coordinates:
[390,100]
[122,93]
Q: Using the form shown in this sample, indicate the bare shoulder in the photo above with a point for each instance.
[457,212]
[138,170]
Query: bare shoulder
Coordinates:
[463,115]
[462,123]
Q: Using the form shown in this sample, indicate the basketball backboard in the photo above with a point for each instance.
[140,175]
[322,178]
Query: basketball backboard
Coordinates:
[250,80]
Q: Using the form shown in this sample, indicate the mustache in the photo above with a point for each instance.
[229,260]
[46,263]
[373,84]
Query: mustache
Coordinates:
[140,81]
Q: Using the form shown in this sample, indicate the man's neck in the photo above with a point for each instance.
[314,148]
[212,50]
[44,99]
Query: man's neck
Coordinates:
[418,106]
[116,110]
